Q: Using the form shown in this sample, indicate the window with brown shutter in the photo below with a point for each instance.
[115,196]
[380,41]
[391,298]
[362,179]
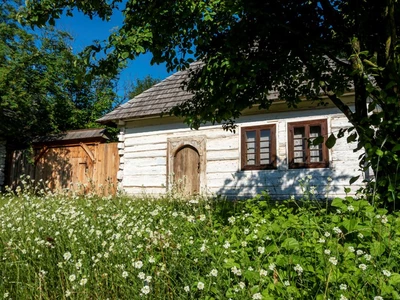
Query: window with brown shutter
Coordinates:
[302,154]
[258,147]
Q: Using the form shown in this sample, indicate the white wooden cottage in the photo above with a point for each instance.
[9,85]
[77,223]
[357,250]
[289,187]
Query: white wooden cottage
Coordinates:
[269,150]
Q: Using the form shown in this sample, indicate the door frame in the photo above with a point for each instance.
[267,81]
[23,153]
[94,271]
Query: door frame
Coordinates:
[175,144]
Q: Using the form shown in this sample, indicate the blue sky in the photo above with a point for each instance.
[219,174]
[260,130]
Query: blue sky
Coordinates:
[85,31]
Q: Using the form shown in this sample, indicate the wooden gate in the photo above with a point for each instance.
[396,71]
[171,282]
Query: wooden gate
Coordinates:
[81,167]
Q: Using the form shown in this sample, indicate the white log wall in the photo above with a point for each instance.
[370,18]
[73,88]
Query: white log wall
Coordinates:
[144,158]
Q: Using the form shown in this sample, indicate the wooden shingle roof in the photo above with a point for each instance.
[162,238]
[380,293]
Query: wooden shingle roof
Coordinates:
[160,98]
[81,135]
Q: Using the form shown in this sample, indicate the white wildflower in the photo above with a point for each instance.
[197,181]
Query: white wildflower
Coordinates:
[226,245]
[138,264]
[257,296]
[200,285]
[231,220]
[236,271]
[67,255]
[261,250]
[72,277]
[142,276]
[186,289]
[298,269]
[83,281]
[145,290]
[367,257]
[386,273]
[362,267]
[337,230]
[343,287]
[242,285]
[333,260]
[350,208]
[214,272]
[327,251]
[384,219]
[263,272]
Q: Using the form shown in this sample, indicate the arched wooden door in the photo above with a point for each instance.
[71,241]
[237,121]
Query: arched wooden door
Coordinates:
[187,170]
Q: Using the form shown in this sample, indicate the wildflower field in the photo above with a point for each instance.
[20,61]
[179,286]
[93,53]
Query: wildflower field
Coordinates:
[59,247]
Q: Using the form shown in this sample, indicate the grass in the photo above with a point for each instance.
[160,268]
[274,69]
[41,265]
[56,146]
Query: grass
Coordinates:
[71,247]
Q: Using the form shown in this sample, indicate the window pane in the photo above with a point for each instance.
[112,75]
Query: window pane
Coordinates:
[315,151]
[299,145]
[265,144]
[250,147]
[315,131]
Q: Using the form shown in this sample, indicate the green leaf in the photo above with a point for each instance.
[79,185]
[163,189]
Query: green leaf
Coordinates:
[379,152]
[352,137]
[377,249]
[354,179]
[338,202]
[396,148]
[394,279]
[318,140]
[350,224]
[231,263]
[331,141]
[290,244]
[125,55]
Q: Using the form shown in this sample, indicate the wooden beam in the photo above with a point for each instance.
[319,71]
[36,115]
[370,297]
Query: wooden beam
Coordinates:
[41,153]
[89,153]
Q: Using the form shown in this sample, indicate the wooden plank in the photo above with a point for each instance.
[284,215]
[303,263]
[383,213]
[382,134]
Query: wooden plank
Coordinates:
[71,166]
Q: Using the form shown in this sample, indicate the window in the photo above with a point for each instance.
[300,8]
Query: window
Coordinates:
[301,153]
[258,147]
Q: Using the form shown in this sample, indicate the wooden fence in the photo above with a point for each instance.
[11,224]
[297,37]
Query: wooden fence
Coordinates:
[81,167]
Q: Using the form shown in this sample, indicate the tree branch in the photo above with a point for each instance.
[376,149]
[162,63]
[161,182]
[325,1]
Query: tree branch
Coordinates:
[331,14]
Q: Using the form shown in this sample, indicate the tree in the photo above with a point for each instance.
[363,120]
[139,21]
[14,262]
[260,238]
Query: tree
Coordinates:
[303,49]
[139,86]
[38,91]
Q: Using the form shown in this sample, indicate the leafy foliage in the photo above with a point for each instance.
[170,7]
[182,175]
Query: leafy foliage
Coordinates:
[298,49]
[139,86]
[39,93]
[88,248]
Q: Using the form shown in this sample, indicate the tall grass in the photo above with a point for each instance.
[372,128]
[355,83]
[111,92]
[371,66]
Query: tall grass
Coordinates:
[59,247]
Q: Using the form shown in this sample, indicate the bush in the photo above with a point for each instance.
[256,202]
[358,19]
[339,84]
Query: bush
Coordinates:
[59,247]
